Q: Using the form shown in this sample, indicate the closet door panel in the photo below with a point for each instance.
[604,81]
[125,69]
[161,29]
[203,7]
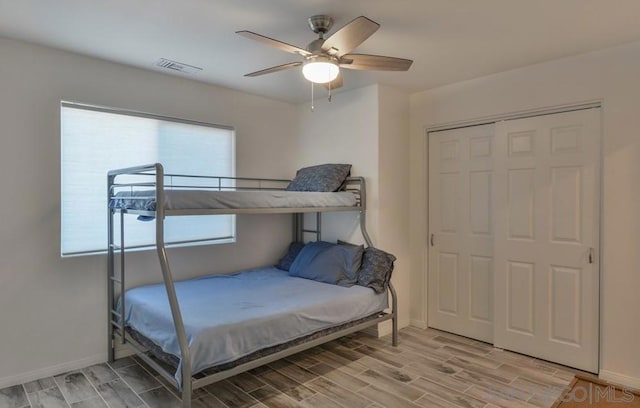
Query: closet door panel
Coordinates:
[460,276]
[546,237]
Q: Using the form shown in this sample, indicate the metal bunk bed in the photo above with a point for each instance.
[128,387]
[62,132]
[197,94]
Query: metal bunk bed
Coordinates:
[157,183]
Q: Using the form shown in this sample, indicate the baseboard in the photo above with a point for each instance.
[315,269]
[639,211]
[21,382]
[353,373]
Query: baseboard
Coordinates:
[621,379]
[420,324]
[379,330]
[51,371]
[385,328]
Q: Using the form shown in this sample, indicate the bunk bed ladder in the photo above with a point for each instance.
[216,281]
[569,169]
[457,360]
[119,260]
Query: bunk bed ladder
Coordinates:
[299,229]
[110,275]
[116,319]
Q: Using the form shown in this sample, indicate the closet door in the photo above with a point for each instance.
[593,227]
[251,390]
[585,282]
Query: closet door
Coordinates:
[546,237]
[460,278]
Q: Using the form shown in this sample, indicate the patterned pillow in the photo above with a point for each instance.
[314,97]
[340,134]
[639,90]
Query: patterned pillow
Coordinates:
[285,262]
[376,269]
[324,177]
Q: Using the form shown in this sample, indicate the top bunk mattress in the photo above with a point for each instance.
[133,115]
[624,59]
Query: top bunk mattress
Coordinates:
[208,200]
[227,317]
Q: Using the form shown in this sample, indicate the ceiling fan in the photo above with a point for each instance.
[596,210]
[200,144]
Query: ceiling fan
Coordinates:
[323,58]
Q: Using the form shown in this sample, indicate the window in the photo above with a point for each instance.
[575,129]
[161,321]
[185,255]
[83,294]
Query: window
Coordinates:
[95,140]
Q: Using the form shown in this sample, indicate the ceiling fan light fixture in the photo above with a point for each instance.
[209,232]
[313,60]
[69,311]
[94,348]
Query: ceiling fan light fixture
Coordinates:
[320,70]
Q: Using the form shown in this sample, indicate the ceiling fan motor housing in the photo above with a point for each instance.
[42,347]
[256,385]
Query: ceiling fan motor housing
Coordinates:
[320,24]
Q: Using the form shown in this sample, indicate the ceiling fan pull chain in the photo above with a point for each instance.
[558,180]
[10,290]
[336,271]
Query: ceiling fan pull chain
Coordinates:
[312,107]
[329,91]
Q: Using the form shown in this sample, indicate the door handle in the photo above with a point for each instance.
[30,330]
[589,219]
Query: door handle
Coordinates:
[590,255]
[432,240]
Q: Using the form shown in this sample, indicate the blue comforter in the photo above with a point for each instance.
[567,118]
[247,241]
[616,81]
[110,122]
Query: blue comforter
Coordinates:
[230,316]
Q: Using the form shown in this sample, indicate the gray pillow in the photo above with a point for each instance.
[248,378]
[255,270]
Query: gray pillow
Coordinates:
[294,249]
[376,269]
[324,177]
[328,263]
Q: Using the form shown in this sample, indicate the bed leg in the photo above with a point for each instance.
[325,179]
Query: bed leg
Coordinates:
[186,394]
[394,334]
[187,384]
[111,355]
[394,319]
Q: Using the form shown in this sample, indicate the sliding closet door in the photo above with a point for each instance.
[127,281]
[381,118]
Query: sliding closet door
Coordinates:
[461,231]
[546,237]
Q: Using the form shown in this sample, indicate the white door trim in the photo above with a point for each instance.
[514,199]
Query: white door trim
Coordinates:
[550,110]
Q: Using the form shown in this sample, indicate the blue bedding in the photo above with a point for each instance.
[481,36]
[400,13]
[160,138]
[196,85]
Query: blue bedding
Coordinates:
[230,316]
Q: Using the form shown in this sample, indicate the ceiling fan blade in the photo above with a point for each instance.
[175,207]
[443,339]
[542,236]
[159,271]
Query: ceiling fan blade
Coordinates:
[350,36]
[335,84]
[274,43]
[274,69]
[374,62]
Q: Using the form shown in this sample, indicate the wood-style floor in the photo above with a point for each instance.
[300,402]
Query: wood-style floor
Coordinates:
[429,368]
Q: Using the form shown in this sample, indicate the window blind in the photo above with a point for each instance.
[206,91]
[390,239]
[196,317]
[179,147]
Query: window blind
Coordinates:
[95,140]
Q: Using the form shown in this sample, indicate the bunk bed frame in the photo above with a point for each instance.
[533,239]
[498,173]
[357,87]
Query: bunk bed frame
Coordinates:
[116,283]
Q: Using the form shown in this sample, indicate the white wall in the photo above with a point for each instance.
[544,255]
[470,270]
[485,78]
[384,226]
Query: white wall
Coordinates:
[609,75]
[52,310]
[344,130]
[367,127]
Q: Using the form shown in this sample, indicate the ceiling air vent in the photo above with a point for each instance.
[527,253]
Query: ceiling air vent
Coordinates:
[177,66]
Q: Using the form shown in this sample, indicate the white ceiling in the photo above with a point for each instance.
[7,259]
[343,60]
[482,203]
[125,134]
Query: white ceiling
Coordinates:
[449,40]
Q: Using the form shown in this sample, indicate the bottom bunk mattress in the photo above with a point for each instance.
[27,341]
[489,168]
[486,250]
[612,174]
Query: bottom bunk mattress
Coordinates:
[228,317]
